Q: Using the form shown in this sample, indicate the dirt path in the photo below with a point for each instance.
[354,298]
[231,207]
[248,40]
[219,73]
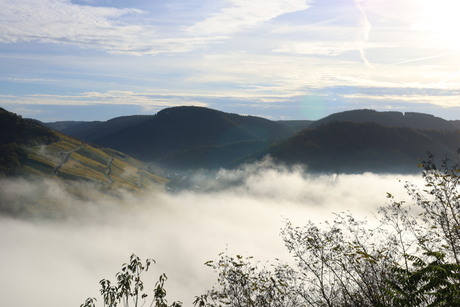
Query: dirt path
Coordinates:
[108,171]
[66,158]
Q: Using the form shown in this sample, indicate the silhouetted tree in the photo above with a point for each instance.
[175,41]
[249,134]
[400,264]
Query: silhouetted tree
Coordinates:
[129,288]
[411,259]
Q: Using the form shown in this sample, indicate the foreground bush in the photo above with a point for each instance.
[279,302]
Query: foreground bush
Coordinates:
[129,288]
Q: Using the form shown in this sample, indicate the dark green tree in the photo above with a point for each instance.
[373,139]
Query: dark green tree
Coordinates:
[241,282]
[428,238]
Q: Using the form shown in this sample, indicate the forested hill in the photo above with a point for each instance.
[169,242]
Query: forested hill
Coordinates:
[192,137]
[93,130]
[180,138]
[360,147]
[391,119]
[29,149]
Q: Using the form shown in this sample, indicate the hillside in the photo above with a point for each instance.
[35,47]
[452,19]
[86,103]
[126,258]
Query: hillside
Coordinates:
[93,130]
[391,119]
[359,147]
[68,124]
[187,138]
[296,125]
[191,137]
[29,149]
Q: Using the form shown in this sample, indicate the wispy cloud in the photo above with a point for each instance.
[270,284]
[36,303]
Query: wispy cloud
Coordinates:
[107,28]
[27,80]
[237,15]
[109,97]
[150,98]
[444,101]
[245,53]
[103,28]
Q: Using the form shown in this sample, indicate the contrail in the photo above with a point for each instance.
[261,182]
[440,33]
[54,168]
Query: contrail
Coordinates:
[367,27]
[452,76]
[424,58]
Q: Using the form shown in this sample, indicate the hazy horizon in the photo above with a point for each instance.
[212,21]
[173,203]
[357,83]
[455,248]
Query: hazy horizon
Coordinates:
[292,119]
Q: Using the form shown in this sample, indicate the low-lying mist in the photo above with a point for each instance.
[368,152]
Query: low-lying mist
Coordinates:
[58,239]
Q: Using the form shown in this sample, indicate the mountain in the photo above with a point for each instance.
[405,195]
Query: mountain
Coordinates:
[296,125]
[181,138]
[30,149]
[391,119]
[93,130]
[67,124]
[359,147]
[188,137]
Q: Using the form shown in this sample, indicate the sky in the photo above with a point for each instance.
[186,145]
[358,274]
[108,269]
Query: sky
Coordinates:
[279,59]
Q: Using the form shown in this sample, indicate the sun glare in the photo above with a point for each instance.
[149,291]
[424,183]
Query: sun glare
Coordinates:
[440,17]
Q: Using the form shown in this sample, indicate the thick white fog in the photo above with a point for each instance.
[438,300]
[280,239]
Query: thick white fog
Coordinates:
[58,241]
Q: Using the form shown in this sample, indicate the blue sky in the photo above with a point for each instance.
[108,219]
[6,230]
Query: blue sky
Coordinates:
[280,59]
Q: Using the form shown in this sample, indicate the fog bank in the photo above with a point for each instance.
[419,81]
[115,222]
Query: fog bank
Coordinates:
[59,240]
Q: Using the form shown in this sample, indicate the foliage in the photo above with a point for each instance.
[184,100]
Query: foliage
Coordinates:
[242,283]
[429,239]
[15,129]
[340,264]
[129,288]
[11,157]
[435,283]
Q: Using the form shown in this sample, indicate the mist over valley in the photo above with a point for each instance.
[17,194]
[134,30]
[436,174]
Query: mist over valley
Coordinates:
[57,246]
[72,210]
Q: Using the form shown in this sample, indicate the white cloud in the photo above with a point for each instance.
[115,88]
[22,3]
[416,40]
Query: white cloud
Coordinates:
[62,22]
[59,21]
[291,59]
[160,98]
[28,80]
[111,29]
[238,15]
[443,101]
[146,100]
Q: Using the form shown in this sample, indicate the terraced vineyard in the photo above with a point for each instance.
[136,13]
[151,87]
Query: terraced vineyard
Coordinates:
[69,158]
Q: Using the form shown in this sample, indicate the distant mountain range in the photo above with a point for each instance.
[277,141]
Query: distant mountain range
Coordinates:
[30,149]
[351,141]
[187,138]
[93,130]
